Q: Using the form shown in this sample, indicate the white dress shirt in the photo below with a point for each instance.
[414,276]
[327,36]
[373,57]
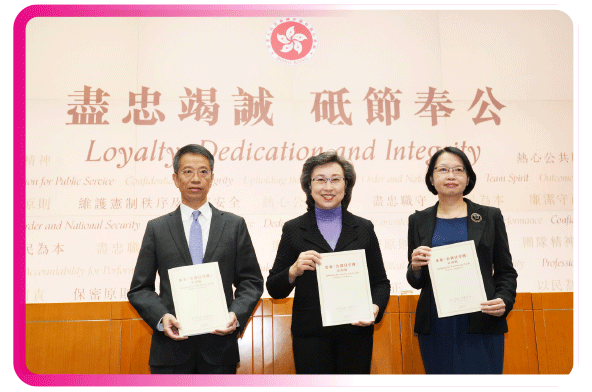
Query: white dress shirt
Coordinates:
[204,219]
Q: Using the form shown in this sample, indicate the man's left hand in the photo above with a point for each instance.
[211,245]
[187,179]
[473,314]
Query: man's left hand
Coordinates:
[230,327]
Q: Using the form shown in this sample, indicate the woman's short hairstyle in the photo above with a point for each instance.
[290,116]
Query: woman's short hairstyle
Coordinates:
[452,150]
[322,159]
[192,149]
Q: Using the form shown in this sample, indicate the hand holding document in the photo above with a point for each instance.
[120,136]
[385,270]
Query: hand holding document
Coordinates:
[344,288]
[200,304]
[456,279]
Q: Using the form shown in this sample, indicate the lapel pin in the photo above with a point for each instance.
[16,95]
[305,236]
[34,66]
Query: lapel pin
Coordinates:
[476,217]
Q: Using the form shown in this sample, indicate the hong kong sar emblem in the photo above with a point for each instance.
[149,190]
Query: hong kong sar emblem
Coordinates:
[291,41]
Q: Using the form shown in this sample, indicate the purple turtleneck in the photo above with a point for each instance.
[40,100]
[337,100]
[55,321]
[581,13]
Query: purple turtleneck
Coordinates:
[329,222]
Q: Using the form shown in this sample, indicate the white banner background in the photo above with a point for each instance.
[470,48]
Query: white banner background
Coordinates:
[82,243]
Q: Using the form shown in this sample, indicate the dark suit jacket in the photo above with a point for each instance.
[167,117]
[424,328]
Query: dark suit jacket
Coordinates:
[164,247]
[302,234]
[493,252]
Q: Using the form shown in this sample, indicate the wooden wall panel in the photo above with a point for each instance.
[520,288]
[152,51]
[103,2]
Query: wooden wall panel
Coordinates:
[396,344]
[407,303]
[245,348]
[140,338]
[558,330]
[386,352]
[523,301]
[382,350]
[111,338]
[253,348]
[550,301]
[282,307]
[69,311]
[267,326]
[128,312]
[115,347]
[531,347]
[393,305]
[283,356]
[117,310]
[258,359]
[126,347]
[395,353]
[520,342]
[520,345]
[541,341]
[68,347]
[411,356]
[553,315]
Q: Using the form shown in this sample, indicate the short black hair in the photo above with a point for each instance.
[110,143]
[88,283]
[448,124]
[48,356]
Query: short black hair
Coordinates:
[322,159]
[192,149]
[463,157]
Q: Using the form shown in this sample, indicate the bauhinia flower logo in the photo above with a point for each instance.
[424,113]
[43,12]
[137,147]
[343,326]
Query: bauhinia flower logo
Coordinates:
[291,41]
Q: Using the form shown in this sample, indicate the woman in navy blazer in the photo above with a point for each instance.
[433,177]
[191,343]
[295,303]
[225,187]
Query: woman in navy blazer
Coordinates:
[328,180]
[470,343]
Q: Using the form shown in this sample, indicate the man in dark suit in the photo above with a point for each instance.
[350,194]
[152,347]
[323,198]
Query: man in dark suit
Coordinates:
[195,232]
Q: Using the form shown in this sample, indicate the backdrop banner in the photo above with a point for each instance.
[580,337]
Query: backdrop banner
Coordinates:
[110,100]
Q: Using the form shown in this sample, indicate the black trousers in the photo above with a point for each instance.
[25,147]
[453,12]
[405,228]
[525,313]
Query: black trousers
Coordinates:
[339,352]
[195,365]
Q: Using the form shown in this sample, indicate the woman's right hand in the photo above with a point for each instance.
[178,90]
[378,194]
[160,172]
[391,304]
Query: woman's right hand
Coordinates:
[420,257]
[307,261]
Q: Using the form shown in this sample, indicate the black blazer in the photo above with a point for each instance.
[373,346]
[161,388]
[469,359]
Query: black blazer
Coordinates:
[164,247]
[493,252]
[302,234]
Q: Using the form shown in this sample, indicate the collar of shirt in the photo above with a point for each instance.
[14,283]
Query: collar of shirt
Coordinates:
[187,212]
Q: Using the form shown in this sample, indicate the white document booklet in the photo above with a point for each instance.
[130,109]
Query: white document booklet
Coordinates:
[344,288]
[198,294]
[456,279]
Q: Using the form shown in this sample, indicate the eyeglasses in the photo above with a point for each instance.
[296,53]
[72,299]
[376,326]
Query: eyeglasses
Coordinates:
[457,170]
[320,180]
[203,173]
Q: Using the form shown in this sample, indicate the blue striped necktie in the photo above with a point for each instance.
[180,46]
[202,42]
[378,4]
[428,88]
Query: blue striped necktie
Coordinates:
[195,240]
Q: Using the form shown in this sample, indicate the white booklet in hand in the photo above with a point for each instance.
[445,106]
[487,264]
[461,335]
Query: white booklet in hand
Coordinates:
[456,279]
[198,294]
[344,288]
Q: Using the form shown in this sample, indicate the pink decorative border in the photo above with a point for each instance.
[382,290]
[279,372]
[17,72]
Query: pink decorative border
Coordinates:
[19,104]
